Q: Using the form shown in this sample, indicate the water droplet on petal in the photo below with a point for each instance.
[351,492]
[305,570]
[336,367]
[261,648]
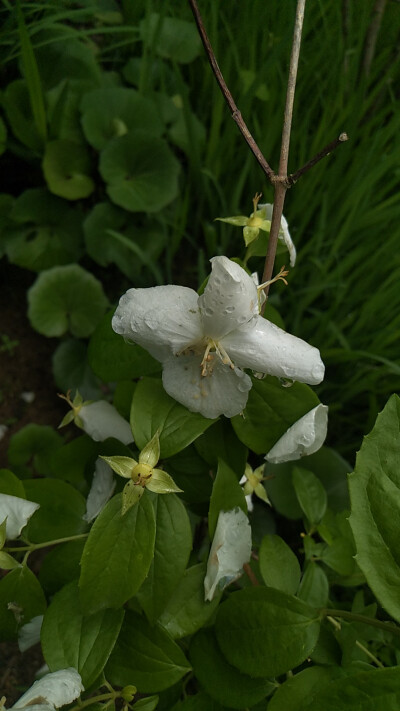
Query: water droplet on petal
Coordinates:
[229,309]
[209,312]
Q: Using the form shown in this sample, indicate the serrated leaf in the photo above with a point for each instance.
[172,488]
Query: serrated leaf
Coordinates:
[271,409]
[178,427]
[66,299]
[265,632]
[186,610]
[172,547]
[221,680]
[375,507]
[117,555]
[279,566]
[72,639]
[146,655]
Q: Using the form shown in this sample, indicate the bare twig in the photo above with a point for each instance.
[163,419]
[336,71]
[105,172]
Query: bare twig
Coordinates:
[293,177]
[281,187]
[372,35]
[236,115]
[251,576]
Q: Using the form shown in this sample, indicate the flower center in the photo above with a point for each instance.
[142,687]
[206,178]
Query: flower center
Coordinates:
[213,349]
[141,473]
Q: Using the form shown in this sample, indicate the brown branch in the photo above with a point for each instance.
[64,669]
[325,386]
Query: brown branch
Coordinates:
[293,177]
[251,576]
[281,187]
[236,115]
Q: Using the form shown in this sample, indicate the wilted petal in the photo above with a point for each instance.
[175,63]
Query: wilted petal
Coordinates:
[229,300]
[101,420]
[230,550]
[305,437]
[102,488]
[162,319]
[267,348]
[225,392]
[284,233]
[17,511]
[29,634]
[55,689]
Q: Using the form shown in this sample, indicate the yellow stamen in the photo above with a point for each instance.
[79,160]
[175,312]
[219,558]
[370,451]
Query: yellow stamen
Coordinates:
[256,200]
[280,276]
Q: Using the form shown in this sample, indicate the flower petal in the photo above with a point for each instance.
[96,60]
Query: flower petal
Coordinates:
[162,319]
[102,488]
[29,634]
[17,512]
[230,550]
[101,420]
[229,299]
[267,348]
[224,392]
[57,689]
[284,233]
[306,436]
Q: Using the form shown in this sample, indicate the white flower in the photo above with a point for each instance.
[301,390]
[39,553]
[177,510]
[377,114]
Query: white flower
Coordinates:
[101,420]
[230,550]
[29,634]
[284,233]
[52,691]
[103,485]
[305,437]
[17,512]
[204,341]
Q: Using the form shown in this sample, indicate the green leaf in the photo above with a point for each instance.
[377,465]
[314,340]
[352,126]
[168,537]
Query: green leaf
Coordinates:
[117,555]
[220,442]
[66,299]
[66,166]
[198,702]
[226,495]
[148,704]
[32,76]
[112,112]
[36,444]
[170,37]
[60,566]
[271,409]
[112,237]
[44,232]
[314,586]
[152,410]
[146,656]
[339,556]
[60,513]
[113,359]
[375,507]
[141,172]
[172,547]
[11,485]
[69,462]
[375,690]
[72,639]
[3,137]
[186,610]
[265,632]
[297,693]
[7,562]
[21,598]
[279,566]
[18,109]
[310,493]
[221,680]
[72,372]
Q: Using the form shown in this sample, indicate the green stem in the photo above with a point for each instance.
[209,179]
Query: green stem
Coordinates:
[354,617]
[96,699]
[35,546]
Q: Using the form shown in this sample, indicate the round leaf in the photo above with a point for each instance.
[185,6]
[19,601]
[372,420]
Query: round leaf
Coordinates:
[66,166]
[140,171]
[66,299]
[279,566]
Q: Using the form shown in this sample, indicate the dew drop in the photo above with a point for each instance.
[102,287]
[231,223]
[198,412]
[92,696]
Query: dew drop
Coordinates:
[209,312]
[229,309]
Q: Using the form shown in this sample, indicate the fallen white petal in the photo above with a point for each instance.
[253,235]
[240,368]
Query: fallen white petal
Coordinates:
[305,437]
[229,300]
[230,550]
[28,397]
[225,392]
[101,420]
[18,512]
[29,634]
[55,690]
[284,233]
[102,488]
[3,431]
[162,319]
[269,349]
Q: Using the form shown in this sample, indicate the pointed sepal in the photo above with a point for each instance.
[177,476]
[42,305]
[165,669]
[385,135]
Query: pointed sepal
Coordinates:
[130,496]
[150,454]
[162,483]
[123,466]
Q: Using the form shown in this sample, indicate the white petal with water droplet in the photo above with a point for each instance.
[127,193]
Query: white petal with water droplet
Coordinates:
[101,420]
[55,690]
[230,550]
[102,488]
[17,511]
[305,437]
